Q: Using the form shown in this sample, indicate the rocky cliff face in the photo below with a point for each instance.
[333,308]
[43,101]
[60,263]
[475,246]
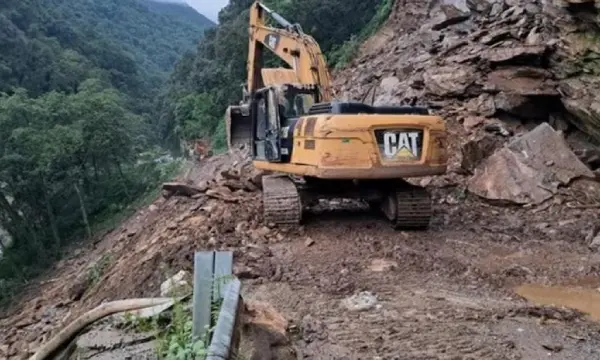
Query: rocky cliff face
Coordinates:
[513,60]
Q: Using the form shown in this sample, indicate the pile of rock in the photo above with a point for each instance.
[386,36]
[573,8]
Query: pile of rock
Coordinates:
[529,170]
[506,58]
[227,215]
[494,69]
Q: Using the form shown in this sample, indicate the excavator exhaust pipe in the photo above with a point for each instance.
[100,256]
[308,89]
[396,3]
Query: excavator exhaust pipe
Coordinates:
[238,126]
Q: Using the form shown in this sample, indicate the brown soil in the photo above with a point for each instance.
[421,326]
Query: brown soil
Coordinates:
[448,294]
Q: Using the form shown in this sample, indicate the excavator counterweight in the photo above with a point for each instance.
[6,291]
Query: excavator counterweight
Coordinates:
[319,147]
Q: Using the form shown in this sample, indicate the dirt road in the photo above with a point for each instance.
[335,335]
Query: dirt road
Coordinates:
[442,294]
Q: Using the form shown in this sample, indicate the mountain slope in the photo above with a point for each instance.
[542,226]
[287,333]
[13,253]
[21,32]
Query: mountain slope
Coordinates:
[55,44]
[77,84]
[516,61]
[443,293]
[155,33]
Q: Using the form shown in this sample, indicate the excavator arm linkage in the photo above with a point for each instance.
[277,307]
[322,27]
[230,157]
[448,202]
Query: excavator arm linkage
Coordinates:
[297,49]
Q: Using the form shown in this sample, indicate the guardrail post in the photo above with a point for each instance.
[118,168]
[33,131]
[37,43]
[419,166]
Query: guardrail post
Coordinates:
[225,340]
[223,271]
[202,297]
[213,281]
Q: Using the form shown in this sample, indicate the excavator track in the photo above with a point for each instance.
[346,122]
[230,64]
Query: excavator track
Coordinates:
[281,201]
[409,207]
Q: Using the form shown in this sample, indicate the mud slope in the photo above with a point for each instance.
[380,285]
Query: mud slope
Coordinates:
[350,286]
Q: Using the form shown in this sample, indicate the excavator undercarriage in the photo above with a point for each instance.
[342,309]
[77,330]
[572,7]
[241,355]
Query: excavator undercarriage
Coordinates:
[406,206]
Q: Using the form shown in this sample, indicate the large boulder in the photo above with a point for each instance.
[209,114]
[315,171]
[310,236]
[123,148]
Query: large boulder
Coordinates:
[529,170]
[527,81]
[449,80]
[452,12]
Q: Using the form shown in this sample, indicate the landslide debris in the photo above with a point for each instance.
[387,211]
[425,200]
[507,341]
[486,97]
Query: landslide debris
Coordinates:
[517,60]
[529,170]
[495,70]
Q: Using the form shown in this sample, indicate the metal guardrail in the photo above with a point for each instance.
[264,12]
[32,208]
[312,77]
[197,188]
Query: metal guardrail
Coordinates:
[225,339]
[214,281]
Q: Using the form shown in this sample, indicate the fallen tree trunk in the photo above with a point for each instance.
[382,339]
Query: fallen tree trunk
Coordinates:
[101,311]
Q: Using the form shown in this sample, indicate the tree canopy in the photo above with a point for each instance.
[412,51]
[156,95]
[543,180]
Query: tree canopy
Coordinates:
[77,84]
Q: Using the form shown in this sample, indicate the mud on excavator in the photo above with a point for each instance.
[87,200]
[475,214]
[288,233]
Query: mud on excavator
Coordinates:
[318,147]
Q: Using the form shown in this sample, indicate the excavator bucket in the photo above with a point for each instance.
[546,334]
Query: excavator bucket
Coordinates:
[237,117]
[238,126]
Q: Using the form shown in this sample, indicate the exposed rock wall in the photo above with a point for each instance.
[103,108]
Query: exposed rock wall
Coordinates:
[512,59]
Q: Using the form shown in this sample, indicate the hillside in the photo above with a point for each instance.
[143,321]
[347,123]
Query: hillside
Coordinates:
[180,11]
[77,86]
[521,64]
[510,266]
[57,44]
[156,34]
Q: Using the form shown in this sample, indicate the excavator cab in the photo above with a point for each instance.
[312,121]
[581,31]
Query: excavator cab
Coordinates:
[274,112]
[265,112]
[292,100]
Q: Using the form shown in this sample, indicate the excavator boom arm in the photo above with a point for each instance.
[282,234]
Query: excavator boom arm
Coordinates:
[299,50]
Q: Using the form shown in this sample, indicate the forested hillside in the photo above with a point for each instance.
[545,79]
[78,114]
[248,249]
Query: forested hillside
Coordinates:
[155,33]
[77,144]
[84,106]
[54,44]
[206,82]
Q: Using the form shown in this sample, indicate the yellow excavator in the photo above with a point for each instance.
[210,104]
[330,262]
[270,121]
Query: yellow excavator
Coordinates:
[320,148]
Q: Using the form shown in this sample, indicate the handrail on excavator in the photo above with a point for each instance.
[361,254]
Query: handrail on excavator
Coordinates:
[280,19]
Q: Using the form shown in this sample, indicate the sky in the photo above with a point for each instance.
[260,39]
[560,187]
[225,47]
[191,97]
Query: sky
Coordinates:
[208,8]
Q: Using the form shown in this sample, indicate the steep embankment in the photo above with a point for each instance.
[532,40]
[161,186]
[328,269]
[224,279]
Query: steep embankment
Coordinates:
[440,294]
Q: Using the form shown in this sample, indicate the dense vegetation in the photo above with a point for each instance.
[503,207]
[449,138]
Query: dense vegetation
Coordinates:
[82,117]
[77,82]
[206,82]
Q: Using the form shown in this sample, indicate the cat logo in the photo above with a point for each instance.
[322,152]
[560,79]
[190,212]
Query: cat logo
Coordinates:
[404,153]
[401,145]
